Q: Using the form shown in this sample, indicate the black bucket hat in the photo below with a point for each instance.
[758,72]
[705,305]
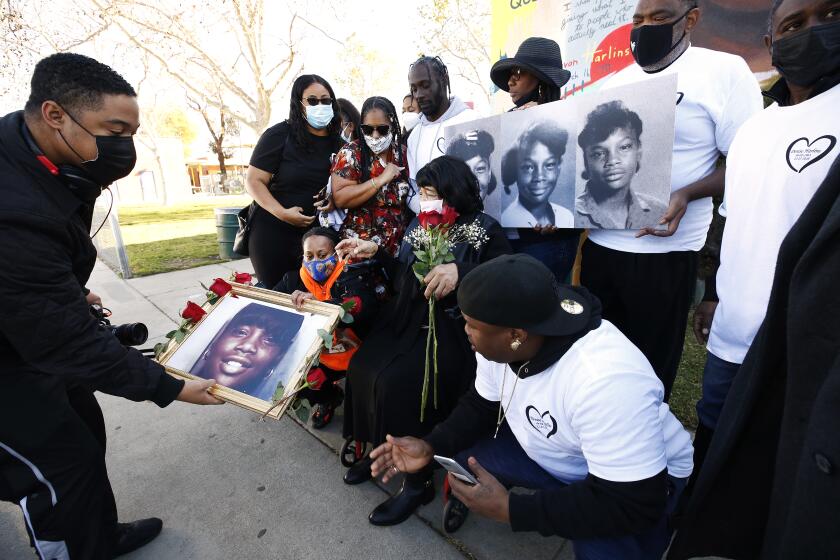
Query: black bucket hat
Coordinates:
[539,56]
[520,292]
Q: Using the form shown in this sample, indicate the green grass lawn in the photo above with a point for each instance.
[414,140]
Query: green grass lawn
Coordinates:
[686,389]
[166,238]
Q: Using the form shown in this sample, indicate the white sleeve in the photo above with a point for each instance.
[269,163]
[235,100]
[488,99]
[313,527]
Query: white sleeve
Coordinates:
[617,421]
[743,101]
[485,380]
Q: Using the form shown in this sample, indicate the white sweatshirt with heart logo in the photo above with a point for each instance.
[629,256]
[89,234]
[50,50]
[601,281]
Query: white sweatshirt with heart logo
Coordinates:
[776,163]
[597,410]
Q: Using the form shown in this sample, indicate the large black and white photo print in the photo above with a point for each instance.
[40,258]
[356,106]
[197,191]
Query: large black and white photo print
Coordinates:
[599,160]
[624,144]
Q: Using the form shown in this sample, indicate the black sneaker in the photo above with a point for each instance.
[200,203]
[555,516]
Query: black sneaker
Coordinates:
[131,536]
[454,514]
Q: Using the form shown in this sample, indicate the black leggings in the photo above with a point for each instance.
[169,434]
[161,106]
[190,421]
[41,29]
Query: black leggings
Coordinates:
[274,247]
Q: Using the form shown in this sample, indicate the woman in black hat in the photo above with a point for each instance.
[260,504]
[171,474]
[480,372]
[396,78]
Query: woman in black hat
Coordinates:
[533,77]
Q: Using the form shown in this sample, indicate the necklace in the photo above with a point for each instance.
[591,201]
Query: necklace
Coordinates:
[503,410]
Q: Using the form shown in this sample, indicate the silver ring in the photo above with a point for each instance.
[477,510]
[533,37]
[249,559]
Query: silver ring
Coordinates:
[396,470]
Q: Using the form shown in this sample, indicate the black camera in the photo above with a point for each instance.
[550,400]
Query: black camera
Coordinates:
[129,334]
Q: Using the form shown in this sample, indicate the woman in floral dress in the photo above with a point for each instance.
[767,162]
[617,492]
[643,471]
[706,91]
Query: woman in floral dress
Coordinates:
[370,180]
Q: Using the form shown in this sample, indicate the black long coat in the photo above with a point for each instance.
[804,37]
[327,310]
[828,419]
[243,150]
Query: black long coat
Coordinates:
[770,486]
[385,377]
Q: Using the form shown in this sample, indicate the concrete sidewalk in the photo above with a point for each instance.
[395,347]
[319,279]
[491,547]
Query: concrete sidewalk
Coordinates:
[230,486]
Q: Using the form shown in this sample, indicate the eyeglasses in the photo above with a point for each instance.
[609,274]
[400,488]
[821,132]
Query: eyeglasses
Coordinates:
[312,101]
[382,129]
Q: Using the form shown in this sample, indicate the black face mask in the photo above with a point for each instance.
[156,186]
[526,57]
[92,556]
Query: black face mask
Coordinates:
[809,55]
[651,43]
[115,156]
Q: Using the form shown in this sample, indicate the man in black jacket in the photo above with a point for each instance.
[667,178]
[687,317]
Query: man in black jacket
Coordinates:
[564,404]
[73,139]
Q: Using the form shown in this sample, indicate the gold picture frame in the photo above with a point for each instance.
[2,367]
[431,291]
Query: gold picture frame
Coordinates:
[303,348]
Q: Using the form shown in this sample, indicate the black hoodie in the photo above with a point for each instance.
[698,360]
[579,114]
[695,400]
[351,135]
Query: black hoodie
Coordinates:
[47,334]
[590,508]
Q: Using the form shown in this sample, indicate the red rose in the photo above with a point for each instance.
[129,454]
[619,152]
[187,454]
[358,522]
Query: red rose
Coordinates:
[316,378]
[429,220]
[220,287]
[242,277]
[449,215]
[357,304]
[193,312]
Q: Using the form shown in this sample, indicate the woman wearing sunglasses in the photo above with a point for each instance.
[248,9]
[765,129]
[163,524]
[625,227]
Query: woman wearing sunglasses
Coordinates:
[289,167]
[370,180]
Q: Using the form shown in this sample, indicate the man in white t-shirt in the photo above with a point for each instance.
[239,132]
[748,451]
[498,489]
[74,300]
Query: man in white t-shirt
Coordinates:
[645,280]
[776,163]
[563,404]
[428,80]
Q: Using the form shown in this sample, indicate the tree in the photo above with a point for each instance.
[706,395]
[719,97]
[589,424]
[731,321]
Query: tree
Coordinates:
[227,125]
[173,122]
[459,30]
[182,38]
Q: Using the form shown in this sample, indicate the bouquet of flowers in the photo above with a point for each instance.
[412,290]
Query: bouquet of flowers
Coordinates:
[433,242]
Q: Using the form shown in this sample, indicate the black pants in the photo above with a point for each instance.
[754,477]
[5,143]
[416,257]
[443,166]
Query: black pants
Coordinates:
[52,464]
[274,247]
[647,296]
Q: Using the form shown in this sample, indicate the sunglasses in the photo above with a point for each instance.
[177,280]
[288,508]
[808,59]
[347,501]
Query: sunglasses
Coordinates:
[382,129]
[312,101]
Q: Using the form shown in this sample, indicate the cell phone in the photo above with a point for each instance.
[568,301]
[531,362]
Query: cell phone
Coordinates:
[456,469]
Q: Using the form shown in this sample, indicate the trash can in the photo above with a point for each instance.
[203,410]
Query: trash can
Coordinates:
[227,225]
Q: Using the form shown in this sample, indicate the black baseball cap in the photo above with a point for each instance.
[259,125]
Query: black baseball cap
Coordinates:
[520,292]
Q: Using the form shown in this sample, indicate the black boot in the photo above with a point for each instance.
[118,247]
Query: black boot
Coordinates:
[417,490]
[131,536]
[358,473]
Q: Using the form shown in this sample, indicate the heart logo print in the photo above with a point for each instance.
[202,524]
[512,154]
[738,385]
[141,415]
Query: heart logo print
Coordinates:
[441,145]
[543,422]
[802,153]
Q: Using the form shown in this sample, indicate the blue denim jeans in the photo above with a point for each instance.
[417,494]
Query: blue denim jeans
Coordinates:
[557,253]
[505,459]
[717,379]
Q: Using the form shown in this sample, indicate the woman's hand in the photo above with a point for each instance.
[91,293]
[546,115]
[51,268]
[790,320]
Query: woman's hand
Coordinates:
[403,454]
[299,297]
[295,216]
[441,281]
[325,205]
[391,172]
[355,248]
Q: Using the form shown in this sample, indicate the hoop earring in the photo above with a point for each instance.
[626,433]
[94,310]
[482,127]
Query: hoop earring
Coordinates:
[540,91]
[515,344]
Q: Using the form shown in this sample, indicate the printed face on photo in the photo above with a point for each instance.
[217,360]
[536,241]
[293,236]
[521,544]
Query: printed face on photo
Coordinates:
[537,174]
[481,169]
[613,162]
[243,353]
